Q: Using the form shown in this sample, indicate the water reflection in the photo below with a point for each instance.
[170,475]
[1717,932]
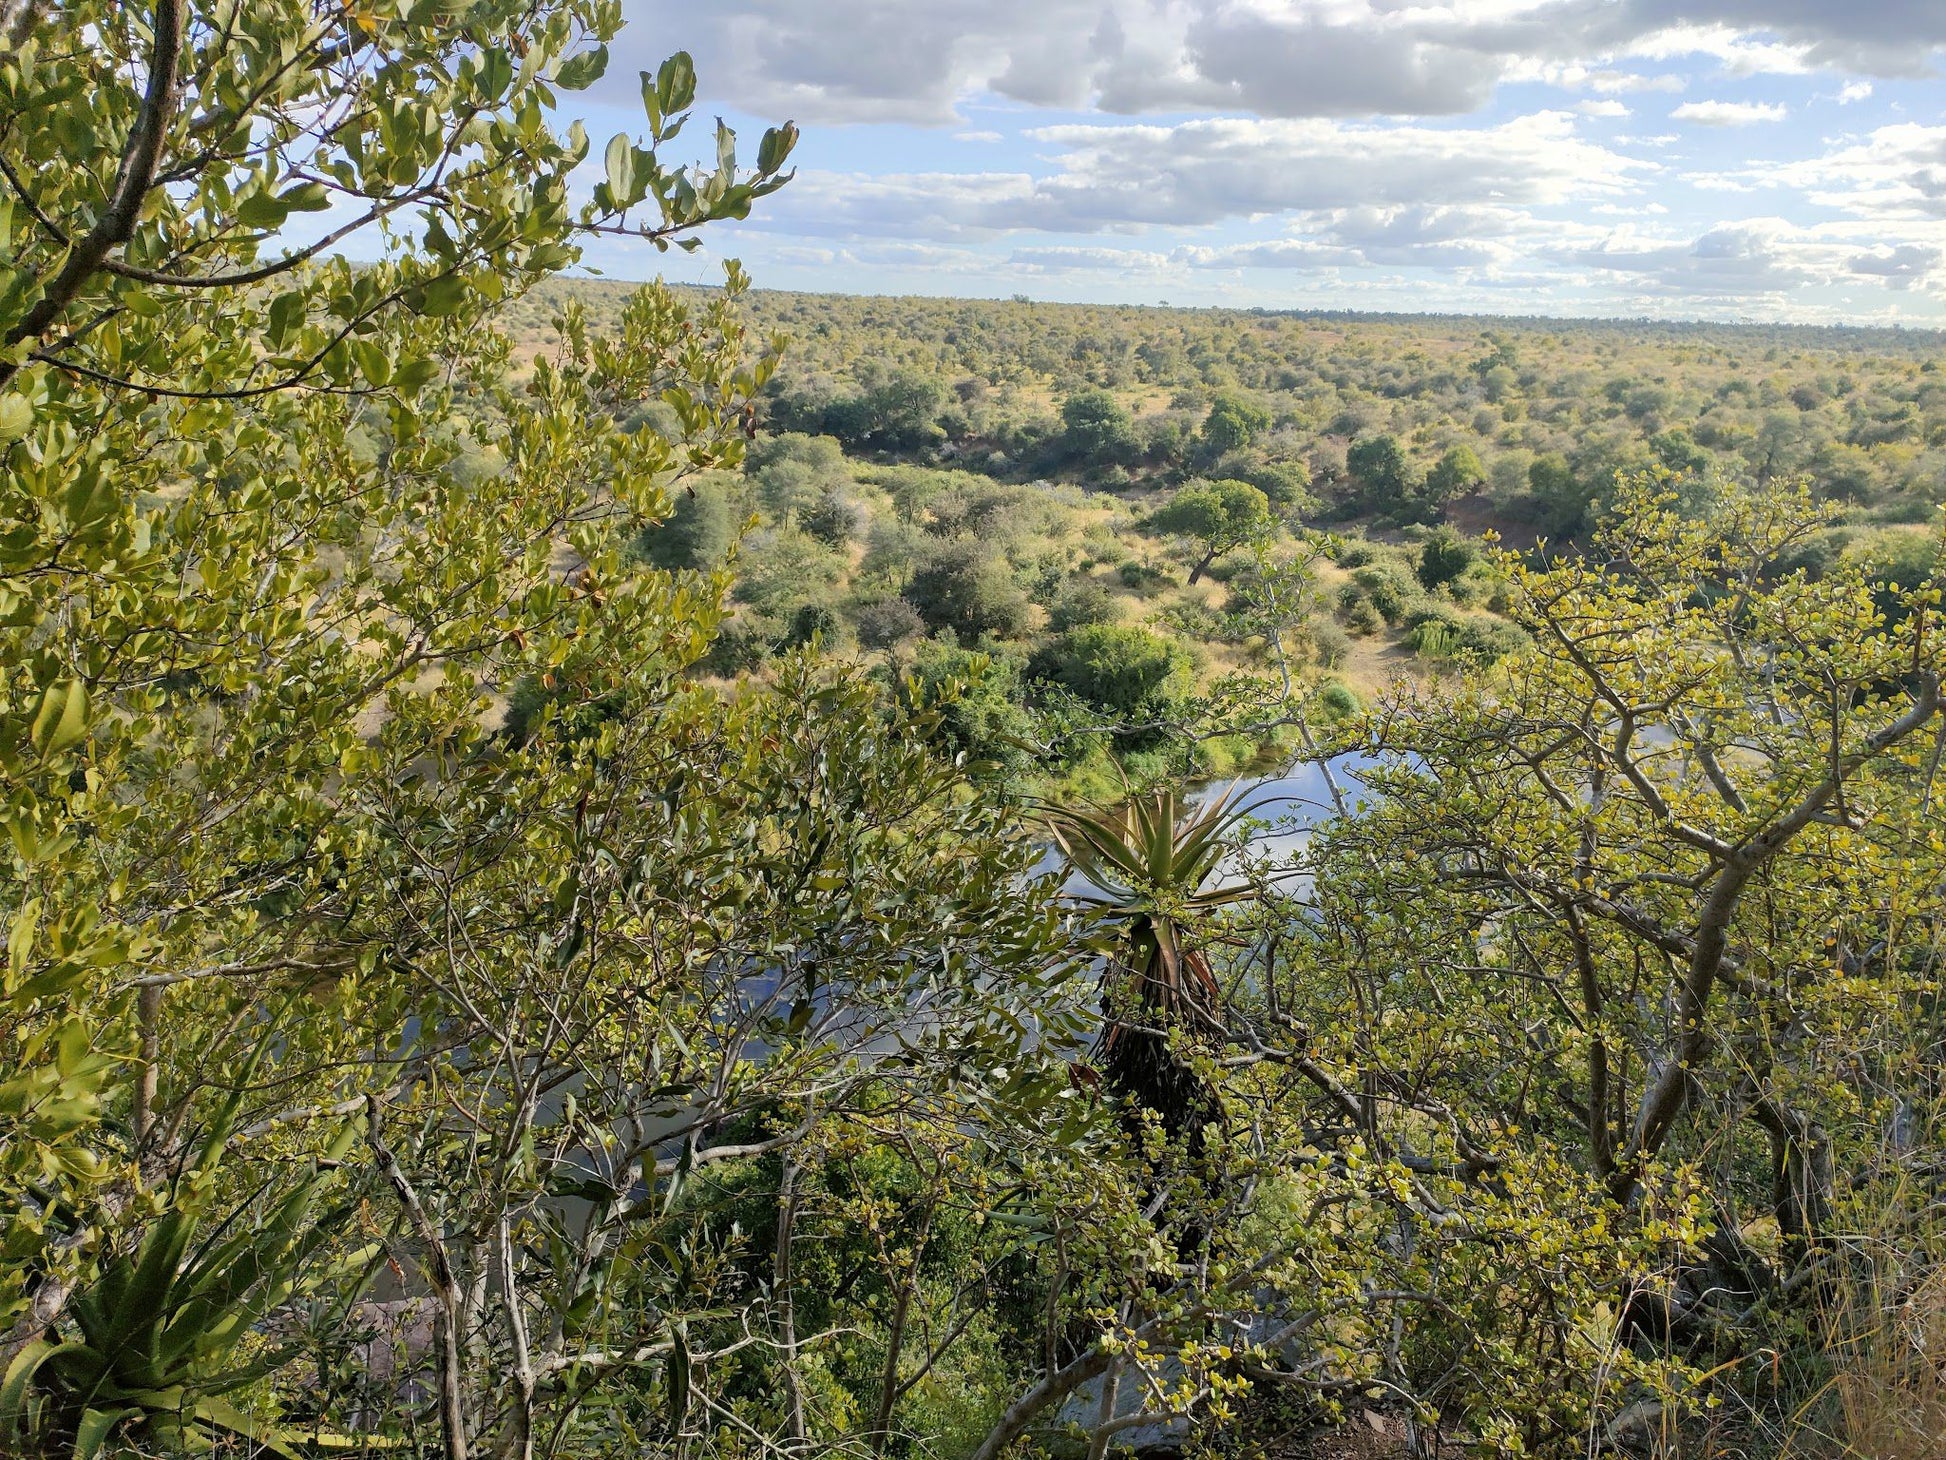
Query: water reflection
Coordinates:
[1285,810]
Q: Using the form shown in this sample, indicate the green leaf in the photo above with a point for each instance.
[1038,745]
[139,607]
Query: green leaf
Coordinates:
[223,1415]
[414,374]
[20,1373]
[310,197]
[262,211]
[62,718]
[619,162]
[578,73]
[443,296]
[286,317]
[16,418]
[651,104]
[93,1431]
[675,83]
[373,363]
[776,148]
[679,1379]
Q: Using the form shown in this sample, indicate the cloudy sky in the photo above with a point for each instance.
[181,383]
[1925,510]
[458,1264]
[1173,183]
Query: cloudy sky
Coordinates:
[1693,158]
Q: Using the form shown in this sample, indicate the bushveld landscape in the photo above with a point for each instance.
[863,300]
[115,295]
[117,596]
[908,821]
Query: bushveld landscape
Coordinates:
[686,870]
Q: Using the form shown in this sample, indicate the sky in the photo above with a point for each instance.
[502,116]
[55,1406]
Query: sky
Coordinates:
[1714,159]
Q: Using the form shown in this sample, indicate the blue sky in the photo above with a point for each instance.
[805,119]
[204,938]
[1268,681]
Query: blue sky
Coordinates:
[1727,159]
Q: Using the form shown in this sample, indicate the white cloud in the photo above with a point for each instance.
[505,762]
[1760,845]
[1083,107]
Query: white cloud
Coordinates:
[1902,267]
[1203,172]
[919,60]
[1617,83]
[1739,54]
[1316,138]
[1758,256]
[1729,113]
[1895,173]
[1064,259]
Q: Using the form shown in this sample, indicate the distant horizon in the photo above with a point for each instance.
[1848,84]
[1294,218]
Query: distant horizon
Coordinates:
[1722,160]
[1920,330]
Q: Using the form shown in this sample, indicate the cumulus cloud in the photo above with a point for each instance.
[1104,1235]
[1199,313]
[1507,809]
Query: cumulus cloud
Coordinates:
[1328,140]
[1893,179]
[1897,172]
[897,60]
[1902,267]
[1728,113]
[1067,259]
[1614,83]
[1751,258]
[1208,171]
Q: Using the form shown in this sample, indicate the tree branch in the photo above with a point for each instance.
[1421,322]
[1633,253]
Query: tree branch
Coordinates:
[133,178]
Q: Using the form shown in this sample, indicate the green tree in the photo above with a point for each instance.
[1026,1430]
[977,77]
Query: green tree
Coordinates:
[1664,891]
[1097,430]
[1216,518]
[794,473]
[1445,556]
[702,526]
[1458,473]
[296,938]
[1561,497]
[1232,424]
[1118,668]
[1388,482]
[965,586]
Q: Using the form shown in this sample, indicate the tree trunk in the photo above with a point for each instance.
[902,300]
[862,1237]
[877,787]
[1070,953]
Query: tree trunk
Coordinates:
[449,1303]
[1051,1390]
[780,1282]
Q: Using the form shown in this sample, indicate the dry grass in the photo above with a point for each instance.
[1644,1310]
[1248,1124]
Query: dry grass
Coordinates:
[1886,1399]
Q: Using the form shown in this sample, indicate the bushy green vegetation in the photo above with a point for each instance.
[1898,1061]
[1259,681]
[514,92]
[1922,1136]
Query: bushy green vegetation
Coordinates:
[537,858]
[1109,463]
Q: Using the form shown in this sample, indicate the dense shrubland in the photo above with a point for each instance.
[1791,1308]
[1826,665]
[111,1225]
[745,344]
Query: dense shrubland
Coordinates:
[524,930]
[1083,449]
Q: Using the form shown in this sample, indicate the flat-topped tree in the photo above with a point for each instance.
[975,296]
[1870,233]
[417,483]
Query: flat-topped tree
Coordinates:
[1216,518]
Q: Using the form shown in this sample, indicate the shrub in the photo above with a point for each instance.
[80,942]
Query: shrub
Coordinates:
[1097,430]
[1438,631]
[1080,602]
[699,532]
[1337,700]
[1357,613]
[1122,670]
[1390,588]
[809,622]
[834,519]
[980,700]
[966,586]
[888,622]
[1445,556]
[1330,644]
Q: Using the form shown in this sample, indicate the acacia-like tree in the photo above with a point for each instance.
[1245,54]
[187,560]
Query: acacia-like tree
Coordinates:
[1217,518]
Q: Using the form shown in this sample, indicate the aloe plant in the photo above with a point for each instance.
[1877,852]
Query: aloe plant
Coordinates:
[1147,863]
[163,1336]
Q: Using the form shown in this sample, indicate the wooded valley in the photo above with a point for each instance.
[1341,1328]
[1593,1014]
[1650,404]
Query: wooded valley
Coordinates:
[601,869]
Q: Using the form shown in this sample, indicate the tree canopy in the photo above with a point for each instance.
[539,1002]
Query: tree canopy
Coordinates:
[1216,517]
